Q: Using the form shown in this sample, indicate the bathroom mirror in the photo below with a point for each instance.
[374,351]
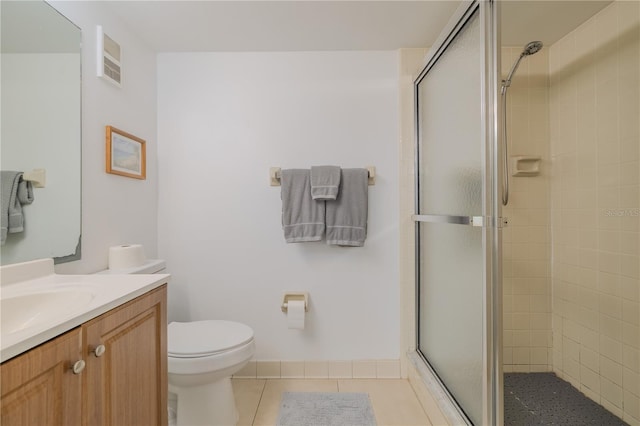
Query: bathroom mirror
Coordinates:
[41,126]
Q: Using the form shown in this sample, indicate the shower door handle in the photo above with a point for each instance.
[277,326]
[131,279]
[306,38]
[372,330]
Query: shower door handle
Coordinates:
[476,221]
[454,220]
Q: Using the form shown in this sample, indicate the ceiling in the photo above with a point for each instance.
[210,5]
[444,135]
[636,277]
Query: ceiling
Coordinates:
[285,25]
[544,20]
[189,26]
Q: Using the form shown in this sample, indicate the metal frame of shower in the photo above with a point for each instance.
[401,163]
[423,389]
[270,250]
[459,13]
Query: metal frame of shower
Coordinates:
[490,221]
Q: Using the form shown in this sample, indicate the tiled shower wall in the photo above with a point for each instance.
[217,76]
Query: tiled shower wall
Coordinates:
[595,139]
[526,241]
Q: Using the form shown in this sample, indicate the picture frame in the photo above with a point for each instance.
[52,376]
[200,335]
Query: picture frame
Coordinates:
[126,154]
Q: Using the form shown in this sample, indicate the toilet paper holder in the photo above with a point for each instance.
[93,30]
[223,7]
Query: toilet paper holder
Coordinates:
[295,296]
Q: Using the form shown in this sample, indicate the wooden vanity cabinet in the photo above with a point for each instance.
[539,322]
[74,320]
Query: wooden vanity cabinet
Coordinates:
[127,384]
[124,381]
[39,387]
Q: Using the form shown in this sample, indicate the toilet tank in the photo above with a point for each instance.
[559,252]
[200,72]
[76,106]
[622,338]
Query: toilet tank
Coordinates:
[150,266]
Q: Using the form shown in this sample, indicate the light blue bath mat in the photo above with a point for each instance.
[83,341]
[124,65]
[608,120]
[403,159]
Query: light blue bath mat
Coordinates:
[325,409]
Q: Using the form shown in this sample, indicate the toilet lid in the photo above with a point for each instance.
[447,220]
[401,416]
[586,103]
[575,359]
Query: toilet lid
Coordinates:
[203,338]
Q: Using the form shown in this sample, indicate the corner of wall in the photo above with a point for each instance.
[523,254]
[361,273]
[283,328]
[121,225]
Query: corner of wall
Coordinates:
[409,65]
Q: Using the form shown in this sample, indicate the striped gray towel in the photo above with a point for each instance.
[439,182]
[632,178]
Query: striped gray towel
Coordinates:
[302,217]
[15,193]
[325,182]
[346,217]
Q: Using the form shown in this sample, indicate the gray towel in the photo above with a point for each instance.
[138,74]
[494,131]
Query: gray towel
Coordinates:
[325,182]
[302,218]
[15,193]
[346,217]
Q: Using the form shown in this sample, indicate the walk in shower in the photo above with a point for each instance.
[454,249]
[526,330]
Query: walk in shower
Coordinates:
[540,296]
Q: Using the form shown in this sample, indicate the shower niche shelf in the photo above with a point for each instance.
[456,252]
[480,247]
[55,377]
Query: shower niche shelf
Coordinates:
[522,165]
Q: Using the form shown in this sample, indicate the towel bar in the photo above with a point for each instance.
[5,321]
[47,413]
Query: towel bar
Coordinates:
[274,175]
[37,177]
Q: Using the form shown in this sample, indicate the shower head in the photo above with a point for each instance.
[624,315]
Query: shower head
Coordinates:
[529,49]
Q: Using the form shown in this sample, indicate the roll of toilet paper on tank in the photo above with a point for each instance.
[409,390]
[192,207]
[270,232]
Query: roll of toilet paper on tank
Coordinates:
[126,256]
[295,314]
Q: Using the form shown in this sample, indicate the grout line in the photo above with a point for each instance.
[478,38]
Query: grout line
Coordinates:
[255,413]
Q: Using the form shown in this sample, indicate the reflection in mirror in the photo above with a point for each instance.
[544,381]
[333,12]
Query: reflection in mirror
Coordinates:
[40,101]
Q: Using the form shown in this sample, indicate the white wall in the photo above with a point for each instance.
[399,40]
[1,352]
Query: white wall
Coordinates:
[223,120]
[115,209]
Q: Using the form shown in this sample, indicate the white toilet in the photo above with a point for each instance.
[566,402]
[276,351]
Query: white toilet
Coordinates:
[202,357]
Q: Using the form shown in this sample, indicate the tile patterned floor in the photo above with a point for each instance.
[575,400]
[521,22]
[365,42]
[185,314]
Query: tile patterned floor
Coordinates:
[394,401]
[546,399]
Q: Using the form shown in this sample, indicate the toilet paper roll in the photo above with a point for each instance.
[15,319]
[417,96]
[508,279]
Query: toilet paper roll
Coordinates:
[295,314]
[126,256]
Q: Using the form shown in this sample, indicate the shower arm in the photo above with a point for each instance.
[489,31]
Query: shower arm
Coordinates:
[506,83]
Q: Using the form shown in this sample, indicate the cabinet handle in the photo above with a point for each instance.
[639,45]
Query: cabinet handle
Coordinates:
[78,366]
[99,351]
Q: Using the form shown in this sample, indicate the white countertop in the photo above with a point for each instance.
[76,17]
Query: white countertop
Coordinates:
[106,292]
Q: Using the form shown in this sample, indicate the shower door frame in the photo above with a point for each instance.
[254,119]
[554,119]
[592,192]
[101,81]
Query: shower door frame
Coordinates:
[491,220]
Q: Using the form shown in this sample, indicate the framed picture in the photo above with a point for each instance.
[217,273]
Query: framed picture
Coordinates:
[126,154]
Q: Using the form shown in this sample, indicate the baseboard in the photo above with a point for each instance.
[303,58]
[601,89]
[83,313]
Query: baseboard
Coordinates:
[527,368]
[349,369]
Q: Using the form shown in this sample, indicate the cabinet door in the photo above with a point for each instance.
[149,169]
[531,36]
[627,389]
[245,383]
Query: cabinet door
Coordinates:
[127,384]
[40,388]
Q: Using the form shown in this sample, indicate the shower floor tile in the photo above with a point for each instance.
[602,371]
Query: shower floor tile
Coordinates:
[545,399]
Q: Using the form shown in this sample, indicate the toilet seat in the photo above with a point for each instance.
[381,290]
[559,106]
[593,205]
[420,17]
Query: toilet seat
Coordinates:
[199,339]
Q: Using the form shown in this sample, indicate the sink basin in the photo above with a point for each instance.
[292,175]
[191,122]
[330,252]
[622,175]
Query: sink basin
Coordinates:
[36,304]
[24,311]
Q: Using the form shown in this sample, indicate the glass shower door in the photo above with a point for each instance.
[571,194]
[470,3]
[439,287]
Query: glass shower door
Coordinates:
[456,220]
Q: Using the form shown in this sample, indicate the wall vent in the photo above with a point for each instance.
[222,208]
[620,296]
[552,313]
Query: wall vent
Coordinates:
[109,57]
